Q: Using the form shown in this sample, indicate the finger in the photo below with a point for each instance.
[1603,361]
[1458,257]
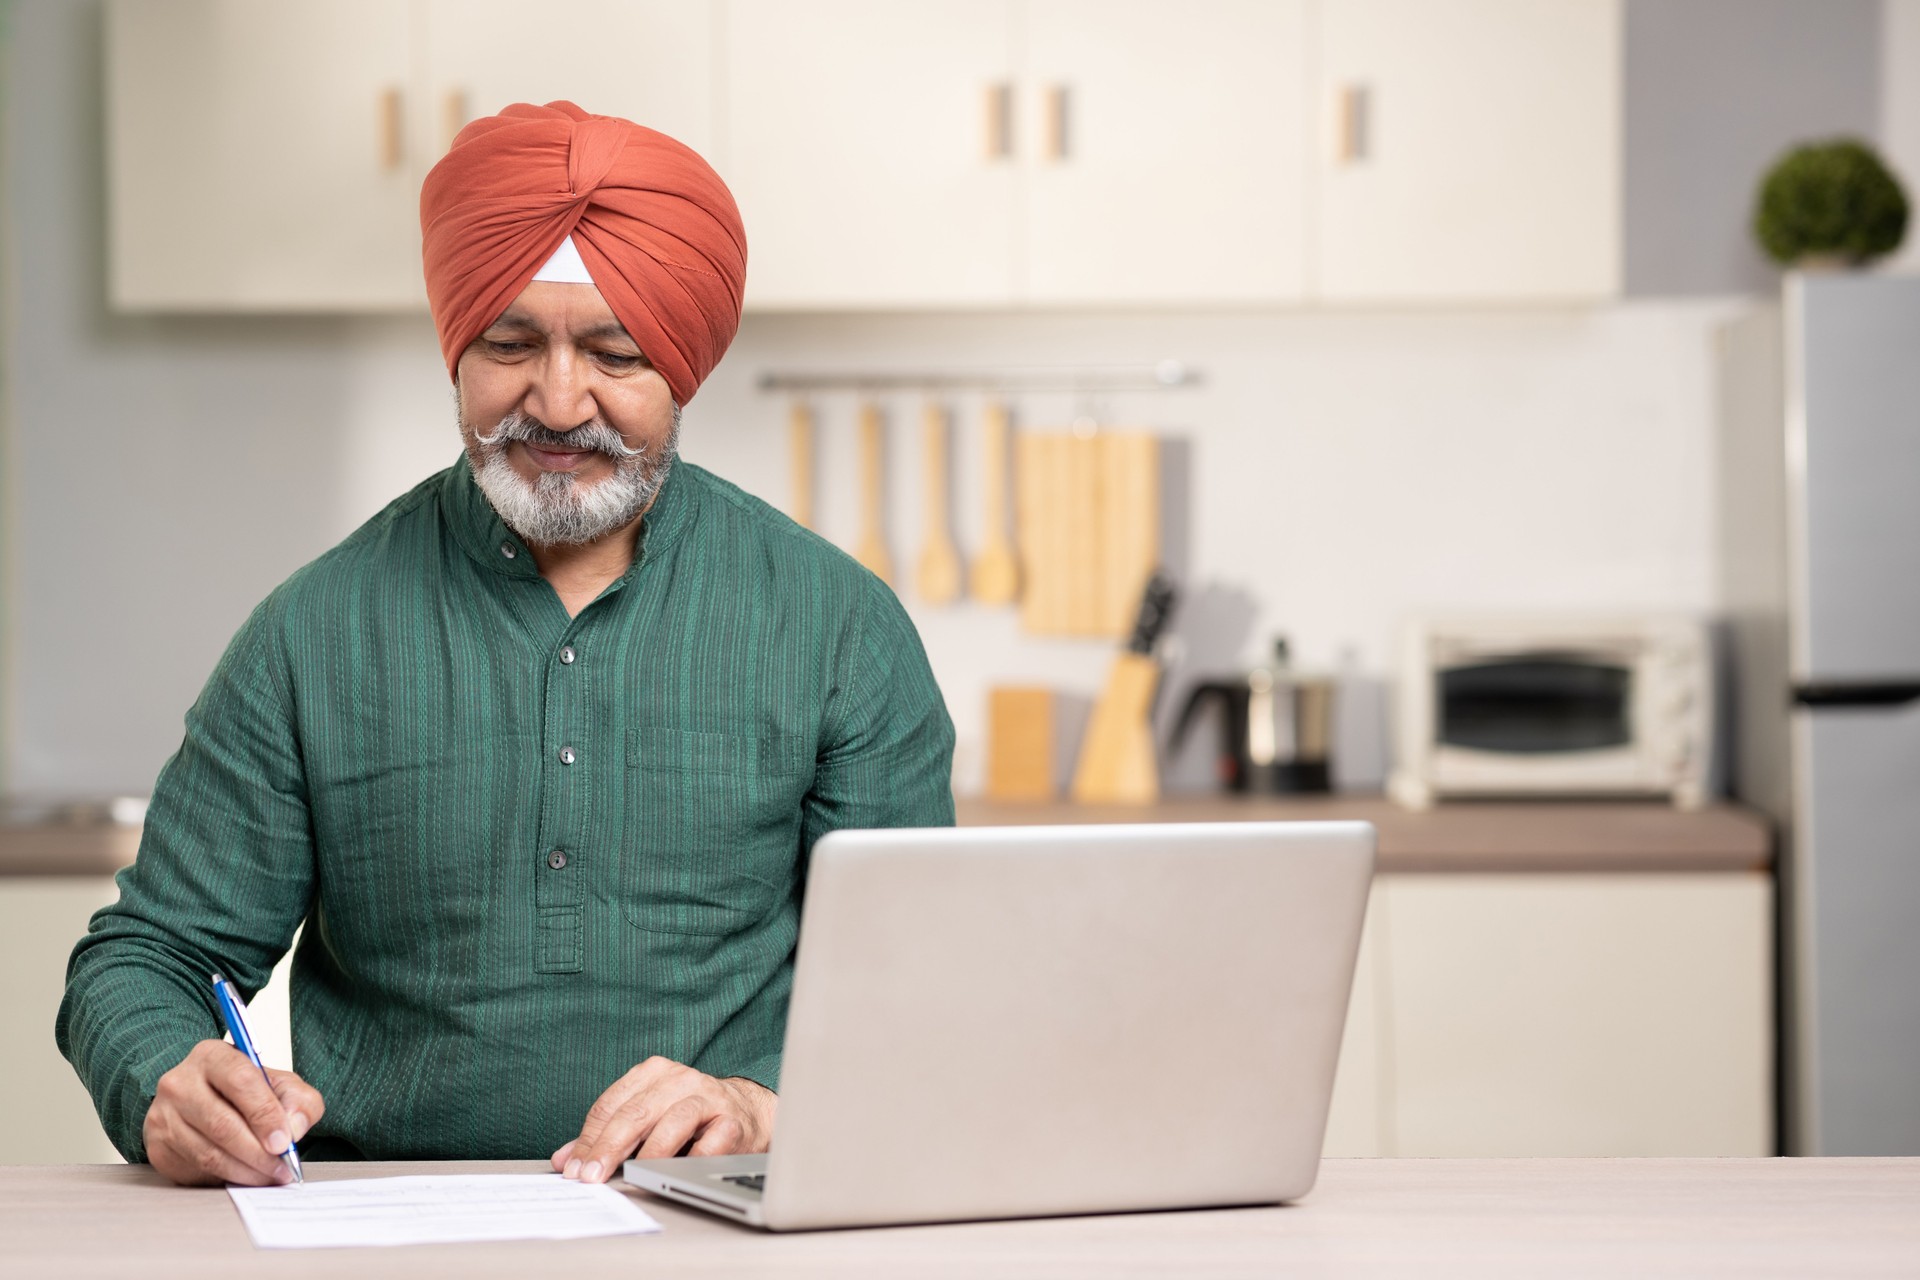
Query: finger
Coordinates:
[233,1075]
[303,1104]
[677,1126]
[624,1131]
[213,1162]
[618,1095]
[560,1156]
[723,1136]
[210,1120]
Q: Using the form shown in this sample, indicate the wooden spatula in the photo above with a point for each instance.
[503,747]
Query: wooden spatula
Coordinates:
[800,454]
[996,573]
[938,576]
[872,549]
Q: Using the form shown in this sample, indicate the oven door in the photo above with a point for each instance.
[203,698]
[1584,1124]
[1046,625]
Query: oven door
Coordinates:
[1540,721]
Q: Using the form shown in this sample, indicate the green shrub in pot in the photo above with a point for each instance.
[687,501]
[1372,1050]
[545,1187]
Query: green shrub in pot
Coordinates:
[1830,200]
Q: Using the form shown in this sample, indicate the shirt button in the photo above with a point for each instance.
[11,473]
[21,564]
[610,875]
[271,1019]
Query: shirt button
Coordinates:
[557,859]
[508,550]
[567,655]
[566,755]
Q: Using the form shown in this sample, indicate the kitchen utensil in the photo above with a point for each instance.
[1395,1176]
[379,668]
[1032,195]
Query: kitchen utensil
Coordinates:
[871,550]
[1276,728]
[996,573]
[1041,525]
[1116,763]
[800,456]
[938,576]
[1089,529]
[1128,504]
[1020,743]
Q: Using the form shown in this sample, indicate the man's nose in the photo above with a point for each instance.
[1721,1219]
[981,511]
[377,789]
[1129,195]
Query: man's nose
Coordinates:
[561,395]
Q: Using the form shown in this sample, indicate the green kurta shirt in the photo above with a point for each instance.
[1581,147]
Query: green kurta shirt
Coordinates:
[529,851]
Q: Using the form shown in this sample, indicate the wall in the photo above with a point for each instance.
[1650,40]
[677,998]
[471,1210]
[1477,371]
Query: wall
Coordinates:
[1900,113]
[1346,467]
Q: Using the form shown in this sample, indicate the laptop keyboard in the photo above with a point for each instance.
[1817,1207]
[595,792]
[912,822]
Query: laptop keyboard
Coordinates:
[751,1181]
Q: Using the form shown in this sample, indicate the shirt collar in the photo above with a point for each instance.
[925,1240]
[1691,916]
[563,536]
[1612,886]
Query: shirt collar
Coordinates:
[485,537]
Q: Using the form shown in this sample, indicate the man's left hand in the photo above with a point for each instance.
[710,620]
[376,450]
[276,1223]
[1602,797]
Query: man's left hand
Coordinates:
[657,1109]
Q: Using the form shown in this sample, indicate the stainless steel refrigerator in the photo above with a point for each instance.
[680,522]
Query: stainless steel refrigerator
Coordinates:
[1819,504]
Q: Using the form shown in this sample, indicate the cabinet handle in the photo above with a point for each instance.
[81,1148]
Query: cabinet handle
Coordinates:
[1000,121]
[1059,123]
[1356,124]
[392,130]
[453,115]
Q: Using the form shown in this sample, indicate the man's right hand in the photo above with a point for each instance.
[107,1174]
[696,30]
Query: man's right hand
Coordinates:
[214,1120]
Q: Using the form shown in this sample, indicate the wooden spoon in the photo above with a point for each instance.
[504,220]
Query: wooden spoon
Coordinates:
[938,577]
[996,573]
[872,549]
[800,453]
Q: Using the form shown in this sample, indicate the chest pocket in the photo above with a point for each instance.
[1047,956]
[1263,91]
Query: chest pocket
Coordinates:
[712,829]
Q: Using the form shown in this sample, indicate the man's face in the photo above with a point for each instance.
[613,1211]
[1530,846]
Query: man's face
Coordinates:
[569,429]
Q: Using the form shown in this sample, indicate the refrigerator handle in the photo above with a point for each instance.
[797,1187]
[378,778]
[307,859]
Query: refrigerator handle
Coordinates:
[1857,693]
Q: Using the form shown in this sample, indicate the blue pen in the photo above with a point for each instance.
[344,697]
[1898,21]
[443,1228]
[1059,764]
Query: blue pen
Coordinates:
[237,1028]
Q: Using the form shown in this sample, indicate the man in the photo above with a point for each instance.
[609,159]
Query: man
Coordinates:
[537,755]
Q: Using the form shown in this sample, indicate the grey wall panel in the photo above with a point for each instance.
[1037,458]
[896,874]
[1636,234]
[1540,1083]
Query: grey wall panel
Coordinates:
[1716,89]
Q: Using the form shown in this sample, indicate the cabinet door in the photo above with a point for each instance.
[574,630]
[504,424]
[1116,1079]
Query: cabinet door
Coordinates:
[1570,1015]
[649,61]
[1470,150]
[46,1116]
[859,140]
[1165,150]
[1355,1120]
[258,157]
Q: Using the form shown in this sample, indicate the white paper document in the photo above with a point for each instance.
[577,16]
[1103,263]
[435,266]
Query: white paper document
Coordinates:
[435,1210]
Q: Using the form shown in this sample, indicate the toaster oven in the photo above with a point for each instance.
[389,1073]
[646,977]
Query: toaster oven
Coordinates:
[1549,706]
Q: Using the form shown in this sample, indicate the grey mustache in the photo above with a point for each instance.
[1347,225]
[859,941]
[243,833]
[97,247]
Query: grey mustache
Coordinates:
[597,435]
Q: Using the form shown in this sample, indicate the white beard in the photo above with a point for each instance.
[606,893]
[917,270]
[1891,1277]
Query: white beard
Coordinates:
[558,509]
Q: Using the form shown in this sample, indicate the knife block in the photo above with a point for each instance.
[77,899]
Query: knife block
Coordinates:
[1117,764]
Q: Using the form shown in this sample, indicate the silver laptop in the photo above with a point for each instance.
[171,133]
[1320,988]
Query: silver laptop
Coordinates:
[1019,1021]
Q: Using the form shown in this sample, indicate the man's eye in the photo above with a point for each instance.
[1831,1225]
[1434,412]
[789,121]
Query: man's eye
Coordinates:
[620,360]
[506,347]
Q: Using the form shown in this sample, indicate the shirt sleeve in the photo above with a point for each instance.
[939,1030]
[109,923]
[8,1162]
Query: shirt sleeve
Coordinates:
[223,878]
[886,757]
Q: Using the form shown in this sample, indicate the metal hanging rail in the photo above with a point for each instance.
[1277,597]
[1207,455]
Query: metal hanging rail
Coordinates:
[1167,375]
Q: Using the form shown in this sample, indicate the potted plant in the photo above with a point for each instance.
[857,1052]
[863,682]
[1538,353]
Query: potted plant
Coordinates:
[1829,204]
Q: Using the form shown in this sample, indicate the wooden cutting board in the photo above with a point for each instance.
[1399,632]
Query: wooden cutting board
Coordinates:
[1089,516]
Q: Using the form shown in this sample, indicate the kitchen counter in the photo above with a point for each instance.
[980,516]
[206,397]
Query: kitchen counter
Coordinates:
[67,849]
[1495,836]
[1483,836]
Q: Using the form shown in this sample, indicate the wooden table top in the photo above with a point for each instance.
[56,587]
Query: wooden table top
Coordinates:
[1366,1218]
[1455,836]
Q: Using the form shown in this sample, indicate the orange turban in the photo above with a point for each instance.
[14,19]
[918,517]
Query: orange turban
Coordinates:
[655,226]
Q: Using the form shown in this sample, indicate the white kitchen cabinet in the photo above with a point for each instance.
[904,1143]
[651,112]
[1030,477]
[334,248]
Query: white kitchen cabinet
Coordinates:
[1056,151]
[649,61]
[861,146]
[269,156]
[46,1116]
[1564,1015]
[258,156]
[1165,151]
[1470,150]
